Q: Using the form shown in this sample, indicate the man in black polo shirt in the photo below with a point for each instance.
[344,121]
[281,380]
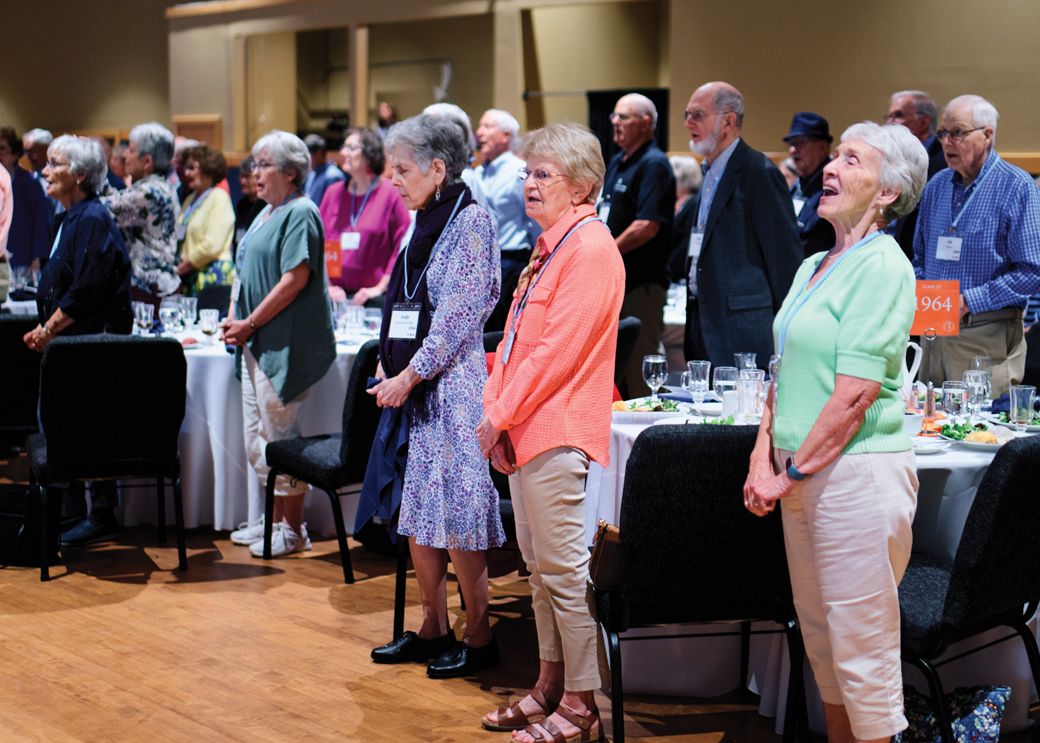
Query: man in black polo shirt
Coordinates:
[637,205]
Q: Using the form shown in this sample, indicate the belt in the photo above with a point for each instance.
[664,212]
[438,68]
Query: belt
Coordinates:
[1008,313]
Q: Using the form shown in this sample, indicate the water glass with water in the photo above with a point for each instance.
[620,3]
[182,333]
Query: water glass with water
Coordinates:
[985,364]
[189,309]
[955,398]
[695,380]
[655,372]
[144,314]
[1023,397]
[209,320]
[170,314]
[725,380]
[977,382]
[373,320]
[354,319]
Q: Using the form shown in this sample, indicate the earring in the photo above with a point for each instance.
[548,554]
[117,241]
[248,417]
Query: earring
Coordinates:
[437,195]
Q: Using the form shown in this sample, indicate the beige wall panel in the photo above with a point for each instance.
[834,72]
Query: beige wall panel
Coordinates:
[271,86]
[200,83]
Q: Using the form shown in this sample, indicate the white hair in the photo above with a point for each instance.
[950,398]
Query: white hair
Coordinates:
[428,137]
[924,105]
[156,140]
[904,162]
[687,172]
[729,100]
[85,158]
[983,113]
[453,113]
[287,152]
[643,106]
[38,137]
[507,124]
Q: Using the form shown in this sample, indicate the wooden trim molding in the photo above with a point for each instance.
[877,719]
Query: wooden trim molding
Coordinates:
[1028,161]
[208,128]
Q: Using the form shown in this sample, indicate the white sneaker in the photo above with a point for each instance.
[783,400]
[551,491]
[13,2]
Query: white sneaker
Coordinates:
[284,541]
[247,534]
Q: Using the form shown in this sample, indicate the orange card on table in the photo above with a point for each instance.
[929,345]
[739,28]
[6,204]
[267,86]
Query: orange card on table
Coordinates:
[333,266]
[938,308]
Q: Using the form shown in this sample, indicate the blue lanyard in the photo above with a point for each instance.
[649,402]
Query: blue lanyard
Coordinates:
[355,218]
[186,216]
[411,295]
[803,295]
[974,188]
[519,307]
[266,213]
[57,239]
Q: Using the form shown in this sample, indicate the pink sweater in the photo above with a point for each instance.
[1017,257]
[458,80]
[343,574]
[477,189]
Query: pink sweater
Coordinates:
[558,386]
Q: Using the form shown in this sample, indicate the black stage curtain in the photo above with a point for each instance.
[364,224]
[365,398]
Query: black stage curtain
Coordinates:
[601,104]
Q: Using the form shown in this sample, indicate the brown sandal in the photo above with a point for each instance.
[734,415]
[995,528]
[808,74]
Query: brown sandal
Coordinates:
[547,732]
[513,718]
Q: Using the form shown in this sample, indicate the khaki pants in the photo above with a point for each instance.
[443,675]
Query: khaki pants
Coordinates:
[999,335]
[647,303]
[267,419]
[5,279]
[548,503]
[847,531]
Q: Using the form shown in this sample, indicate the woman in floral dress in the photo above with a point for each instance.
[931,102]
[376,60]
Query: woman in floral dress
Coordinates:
[441,291]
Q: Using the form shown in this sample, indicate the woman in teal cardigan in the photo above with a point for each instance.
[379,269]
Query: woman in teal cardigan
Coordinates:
[831,443]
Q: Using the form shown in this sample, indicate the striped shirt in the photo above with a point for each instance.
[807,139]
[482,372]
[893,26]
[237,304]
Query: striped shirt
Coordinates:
[999,262]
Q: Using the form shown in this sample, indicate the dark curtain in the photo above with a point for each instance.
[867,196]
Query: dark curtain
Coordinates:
[601,104]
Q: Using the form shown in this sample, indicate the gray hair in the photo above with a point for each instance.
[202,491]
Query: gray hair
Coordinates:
[643,106]
[454,113]
[924,105]
[687,172]
[85,159]
[983,113]
[508,124]
[430,137]
[287,152]
[574,148]
[315,143]
[156,140]
[904,162]
[38,137]
[729,100]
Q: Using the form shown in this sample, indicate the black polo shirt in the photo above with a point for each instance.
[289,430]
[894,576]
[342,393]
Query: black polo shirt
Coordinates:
[642,187]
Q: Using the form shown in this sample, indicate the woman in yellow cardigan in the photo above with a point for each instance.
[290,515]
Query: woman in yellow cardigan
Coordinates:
[207,222]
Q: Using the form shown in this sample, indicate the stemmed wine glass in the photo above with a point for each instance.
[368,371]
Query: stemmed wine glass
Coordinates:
[655,372]
[976,382]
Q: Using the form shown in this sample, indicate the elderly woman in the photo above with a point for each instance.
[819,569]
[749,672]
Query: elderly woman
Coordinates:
[366,217]
[249,206]
[207,222]
[146,213]
[280,320]
[84,288]
[831,442]
[687,178]
[547,415]
[432,365]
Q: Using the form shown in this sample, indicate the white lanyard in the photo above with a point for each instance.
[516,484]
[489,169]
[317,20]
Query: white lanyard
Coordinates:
[411,295]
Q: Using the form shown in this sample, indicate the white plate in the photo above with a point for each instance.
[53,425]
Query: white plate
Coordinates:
[997,422]
[631,416]
[929,445]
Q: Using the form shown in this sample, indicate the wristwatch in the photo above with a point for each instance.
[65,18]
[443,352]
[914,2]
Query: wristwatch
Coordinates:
[793,472]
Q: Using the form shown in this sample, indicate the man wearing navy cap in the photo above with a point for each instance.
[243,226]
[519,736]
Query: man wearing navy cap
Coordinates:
[809,145]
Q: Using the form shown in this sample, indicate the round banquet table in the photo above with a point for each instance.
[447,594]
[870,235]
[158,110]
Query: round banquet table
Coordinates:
[218,486]
[708,667]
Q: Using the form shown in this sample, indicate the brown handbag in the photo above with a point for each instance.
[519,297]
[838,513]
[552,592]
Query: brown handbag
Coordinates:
[605,564]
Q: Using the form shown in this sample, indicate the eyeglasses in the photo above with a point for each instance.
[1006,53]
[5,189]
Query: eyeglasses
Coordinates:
[54,164]
[615,116]
[697,116]
[957,135]
[262,165]
[541,177]
[352,147]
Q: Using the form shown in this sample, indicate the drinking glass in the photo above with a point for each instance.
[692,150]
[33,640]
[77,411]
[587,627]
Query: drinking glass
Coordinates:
[339,312]
[1022,398]
[725,380]
[774,366]
[976,381]
[354,319]
[189,309]
[208,322]
[750,400]
[695,380]
[373,320]
[757,375]
[144,314]
[985,364]
[954,398]
[655,371]
[19,277]
[170,314]
[745,360]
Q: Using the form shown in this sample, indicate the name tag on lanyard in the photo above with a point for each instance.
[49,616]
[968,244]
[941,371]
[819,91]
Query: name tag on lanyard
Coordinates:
[948,248]
[797,204]
[350,240]
[404,321]
[182,230]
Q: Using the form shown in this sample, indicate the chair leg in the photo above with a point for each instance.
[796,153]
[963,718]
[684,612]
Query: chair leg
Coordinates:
[796,715]
[1031,651]
[160,484]
[617,694]
[41,500]
[178,515]
[402,574]
[745,658]
[937,697]
[269,512]
[341,536]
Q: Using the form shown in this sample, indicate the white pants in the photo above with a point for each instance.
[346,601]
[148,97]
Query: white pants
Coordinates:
[847,530]
[267,419]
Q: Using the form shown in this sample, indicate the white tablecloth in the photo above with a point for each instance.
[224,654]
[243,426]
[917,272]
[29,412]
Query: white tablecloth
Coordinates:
[19,308]
[218,486]
[708,667]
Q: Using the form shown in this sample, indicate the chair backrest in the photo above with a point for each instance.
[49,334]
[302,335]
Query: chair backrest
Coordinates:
[215,297]
[360,412]
[1032,373]
[691,551]
[491,340]
[19,380]
[996,570]
[627,335]
[112,405]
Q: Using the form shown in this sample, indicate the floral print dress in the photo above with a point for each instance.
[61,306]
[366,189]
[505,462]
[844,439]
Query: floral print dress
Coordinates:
[448,500]
[146,214]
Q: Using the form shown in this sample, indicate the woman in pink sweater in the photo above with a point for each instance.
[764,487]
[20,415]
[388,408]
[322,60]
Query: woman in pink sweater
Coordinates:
[547,415]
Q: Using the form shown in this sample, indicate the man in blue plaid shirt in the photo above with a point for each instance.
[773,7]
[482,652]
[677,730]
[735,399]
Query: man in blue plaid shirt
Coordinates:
[979,224]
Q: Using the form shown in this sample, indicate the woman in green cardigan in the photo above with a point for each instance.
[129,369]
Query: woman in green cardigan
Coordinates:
[831,443]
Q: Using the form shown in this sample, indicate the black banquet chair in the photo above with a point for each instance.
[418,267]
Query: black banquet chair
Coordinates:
[20,377]
[994,580]
[691,552]
[331,462]
[111,406]
[215,297]
[627,335]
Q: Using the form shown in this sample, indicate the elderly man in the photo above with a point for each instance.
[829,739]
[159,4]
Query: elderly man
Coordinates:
[638,205]
[498,136]
[979,225]
[322,173]
[744,249]
[29,239]
[809,146]
[35,143]
[916,110]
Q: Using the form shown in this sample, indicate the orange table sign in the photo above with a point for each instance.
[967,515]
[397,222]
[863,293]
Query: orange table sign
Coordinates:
[333,264]
[938,308]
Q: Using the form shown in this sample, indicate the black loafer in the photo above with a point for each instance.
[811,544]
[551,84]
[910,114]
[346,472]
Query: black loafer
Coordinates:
[462,660]
[410,648]
[91,529]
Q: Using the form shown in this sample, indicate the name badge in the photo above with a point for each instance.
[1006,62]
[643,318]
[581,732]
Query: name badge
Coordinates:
[948,249]
[696,241]
[350,240]
[239,234]
[604,212]
[404,321]
[236,288]
[797,204]
[182,229]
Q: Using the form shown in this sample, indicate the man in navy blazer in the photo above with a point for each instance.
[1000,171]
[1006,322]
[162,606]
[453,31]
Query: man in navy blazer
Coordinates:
[743,248]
